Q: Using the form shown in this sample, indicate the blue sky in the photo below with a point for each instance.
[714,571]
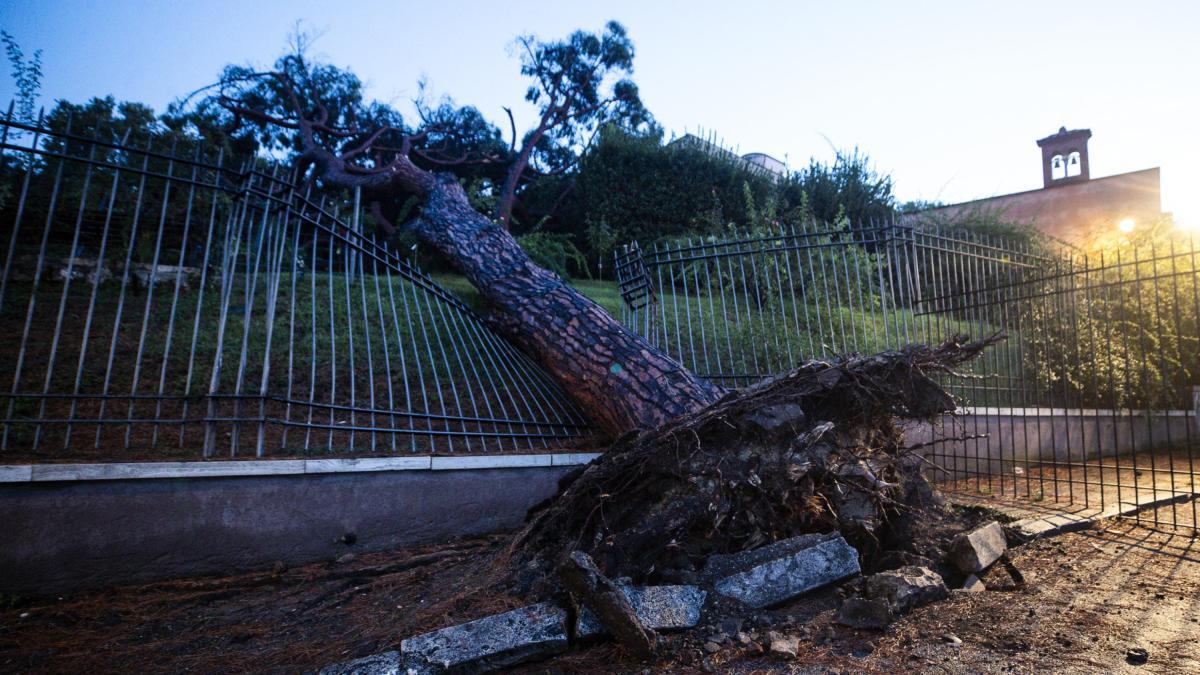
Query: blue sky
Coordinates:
[947,96]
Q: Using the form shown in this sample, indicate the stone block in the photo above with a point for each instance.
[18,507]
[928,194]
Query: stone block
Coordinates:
[976,550]
[781,571]
[491,643]
[657,607]
[906,588]
[783,648]
[891,594]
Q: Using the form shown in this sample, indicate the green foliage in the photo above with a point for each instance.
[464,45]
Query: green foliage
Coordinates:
[850,187]
[644,189]
[555,252]
[578,85]
[601,241]
[990,222]
[648,190]
[26,76]
[1119,328]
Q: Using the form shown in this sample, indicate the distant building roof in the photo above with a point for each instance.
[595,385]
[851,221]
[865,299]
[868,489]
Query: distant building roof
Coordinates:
[759,162]
[1070,205]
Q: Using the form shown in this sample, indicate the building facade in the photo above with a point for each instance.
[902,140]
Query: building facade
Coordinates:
[1071,205]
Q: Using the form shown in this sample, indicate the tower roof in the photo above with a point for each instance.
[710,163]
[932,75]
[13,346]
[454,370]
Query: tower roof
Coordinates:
[1064,134]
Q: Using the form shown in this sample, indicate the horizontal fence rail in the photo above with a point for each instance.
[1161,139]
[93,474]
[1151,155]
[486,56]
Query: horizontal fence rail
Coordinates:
[157,303]
[1092,399]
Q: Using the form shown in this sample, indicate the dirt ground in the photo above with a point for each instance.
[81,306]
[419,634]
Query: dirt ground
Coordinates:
[1090,597]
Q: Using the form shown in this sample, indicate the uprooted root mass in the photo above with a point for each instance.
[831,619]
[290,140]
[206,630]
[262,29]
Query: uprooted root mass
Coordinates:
[815,450]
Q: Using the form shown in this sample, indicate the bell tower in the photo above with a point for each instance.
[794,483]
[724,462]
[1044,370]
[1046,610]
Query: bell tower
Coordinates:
[1065,157]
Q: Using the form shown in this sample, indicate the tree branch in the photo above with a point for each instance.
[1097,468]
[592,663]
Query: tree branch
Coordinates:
[512,123]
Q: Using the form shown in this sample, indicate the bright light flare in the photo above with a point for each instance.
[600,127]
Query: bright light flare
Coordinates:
[1187,223]
[1126,225]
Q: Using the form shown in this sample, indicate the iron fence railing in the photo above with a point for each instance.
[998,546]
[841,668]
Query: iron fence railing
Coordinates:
[153,304]
[1091,399]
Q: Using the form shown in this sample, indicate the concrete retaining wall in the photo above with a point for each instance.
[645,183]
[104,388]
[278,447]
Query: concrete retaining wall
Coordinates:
[68,527]
[1020,435]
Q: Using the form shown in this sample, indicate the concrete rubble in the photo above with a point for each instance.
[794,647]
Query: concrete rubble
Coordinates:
[757,578]
[782,647]
[657,607]
[765,576]
[781,571]
[480,646]
[907,587]
[888,595]
[525,634]
[976,550]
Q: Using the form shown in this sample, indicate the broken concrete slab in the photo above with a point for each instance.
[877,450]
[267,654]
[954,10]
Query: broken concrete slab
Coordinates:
[906,588]
[1055,524]
[1052,525]
[490,643]
[976,550]
[657,607]
[781,571]
[608,602]
[387,663]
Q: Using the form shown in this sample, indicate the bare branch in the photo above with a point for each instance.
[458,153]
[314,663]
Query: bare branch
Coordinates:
[366,144]
[512,123]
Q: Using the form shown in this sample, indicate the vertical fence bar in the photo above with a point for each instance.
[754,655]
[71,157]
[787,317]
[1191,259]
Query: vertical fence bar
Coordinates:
[32,304]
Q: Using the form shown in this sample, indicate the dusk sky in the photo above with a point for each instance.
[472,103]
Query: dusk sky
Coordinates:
[947,96]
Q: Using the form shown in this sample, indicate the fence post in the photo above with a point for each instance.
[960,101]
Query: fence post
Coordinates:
[1196,406]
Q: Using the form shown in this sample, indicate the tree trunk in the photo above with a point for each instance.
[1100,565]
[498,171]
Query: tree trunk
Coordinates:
[618,379]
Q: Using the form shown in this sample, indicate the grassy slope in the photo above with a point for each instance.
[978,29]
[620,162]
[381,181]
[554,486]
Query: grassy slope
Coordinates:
[770,341]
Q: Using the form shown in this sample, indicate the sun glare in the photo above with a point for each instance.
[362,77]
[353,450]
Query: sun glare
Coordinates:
[1126,225]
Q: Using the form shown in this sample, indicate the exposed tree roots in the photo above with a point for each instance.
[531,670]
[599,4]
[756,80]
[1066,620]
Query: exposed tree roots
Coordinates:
[815,450]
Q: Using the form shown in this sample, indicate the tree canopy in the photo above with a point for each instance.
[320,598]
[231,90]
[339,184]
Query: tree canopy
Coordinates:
[594,170]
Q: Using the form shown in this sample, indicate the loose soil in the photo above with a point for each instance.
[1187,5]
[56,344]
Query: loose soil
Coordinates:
[1090,597]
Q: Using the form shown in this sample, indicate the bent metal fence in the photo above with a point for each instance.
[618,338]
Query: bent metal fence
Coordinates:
[156,303]
[1092,400]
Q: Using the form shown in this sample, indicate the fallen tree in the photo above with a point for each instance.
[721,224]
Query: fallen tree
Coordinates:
[699,472]
[619,380]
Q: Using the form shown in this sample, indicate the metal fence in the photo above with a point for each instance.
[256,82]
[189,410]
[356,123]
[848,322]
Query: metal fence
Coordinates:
[153,304]
[1091,400]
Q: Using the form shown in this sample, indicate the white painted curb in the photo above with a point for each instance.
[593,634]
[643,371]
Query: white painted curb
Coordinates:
[39,473]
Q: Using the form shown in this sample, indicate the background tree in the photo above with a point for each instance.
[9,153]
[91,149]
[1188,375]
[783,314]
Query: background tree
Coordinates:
[26,76]
[578,85]
[850,187]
